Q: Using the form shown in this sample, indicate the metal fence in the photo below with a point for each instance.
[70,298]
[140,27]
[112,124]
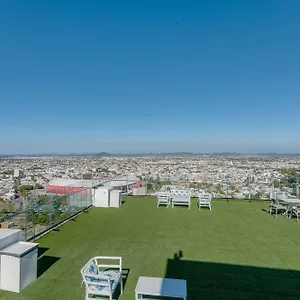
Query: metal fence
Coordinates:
[42,213]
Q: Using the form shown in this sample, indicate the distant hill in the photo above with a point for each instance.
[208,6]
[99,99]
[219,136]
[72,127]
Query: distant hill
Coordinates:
[102,154]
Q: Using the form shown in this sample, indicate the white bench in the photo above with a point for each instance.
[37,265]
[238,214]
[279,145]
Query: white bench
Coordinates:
[181,197]
[160,287]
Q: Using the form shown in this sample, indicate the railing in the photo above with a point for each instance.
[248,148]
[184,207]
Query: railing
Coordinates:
[42,214]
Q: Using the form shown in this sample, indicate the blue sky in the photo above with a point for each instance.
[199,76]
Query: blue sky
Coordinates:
[149,76]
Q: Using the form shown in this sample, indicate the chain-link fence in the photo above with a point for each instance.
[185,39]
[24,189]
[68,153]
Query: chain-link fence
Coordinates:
[42,213]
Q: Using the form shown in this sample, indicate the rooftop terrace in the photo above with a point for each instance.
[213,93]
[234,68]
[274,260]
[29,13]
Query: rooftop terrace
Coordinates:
[235,251]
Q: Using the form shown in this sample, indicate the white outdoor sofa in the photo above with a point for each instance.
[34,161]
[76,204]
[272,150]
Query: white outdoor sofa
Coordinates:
[102,279]
[163,198]
[181,197]
[204,200]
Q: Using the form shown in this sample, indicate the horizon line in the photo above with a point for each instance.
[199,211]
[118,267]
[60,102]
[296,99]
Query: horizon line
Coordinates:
[147,153]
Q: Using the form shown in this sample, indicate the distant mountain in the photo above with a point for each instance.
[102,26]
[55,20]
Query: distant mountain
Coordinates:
[225,154]
[102,154]
[278,154]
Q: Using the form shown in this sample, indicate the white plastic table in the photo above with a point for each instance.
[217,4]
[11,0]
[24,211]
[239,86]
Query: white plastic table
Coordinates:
[164,287]
[292,201]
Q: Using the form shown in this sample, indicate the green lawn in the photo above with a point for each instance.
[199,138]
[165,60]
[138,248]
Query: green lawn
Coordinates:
[235,251]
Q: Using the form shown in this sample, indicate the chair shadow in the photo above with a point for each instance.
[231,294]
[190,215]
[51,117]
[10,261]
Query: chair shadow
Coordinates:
[208,280]
[272,215]
[125,274]
[44,263]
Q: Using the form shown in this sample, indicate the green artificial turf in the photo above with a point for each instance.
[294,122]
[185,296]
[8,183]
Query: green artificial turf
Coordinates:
[235,251]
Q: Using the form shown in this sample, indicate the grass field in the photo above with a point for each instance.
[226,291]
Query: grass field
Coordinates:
[235,251]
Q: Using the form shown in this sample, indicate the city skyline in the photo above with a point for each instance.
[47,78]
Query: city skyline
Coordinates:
[149,77]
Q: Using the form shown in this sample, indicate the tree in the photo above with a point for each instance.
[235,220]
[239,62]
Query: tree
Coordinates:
[277,184]
[26,187]
[258,195]
[149,186]
[38,186]
[42,218]
[219,189]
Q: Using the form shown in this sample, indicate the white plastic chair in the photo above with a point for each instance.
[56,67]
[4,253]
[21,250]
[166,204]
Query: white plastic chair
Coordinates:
[163,199]
[277,207]
[204,200]
[102,279]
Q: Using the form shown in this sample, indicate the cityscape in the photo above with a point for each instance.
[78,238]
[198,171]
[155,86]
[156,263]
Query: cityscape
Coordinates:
[230,176]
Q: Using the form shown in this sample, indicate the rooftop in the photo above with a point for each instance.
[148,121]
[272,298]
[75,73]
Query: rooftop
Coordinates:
[235,251]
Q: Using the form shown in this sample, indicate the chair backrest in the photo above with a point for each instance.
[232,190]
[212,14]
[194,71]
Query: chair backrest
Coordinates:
[163,195]
[204,197]
[181,193]
[105,265]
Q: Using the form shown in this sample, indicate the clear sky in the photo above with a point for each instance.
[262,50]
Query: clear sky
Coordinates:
[149,76]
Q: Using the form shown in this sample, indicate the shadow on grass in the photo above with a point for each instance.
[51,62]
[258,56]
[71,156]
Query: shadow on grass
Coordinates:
[44,263]
[180,207]
[125,274]
[41,251]
[268,212]
[208,280]
[272,214]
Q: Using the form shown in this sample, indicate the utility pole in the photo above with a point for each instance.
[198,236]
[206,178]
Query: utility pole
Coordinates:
[272,194]
[249,181]
[127,184]
[227,186]
[297,188]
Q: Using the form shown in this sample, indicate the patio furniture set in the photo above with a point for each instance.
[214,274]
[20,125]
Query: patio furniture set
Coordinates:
[183,197]
[101,279]
[287,207]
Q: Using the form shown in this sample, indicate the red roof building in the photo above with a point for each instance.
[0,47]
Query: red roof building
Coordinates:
[138,184]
